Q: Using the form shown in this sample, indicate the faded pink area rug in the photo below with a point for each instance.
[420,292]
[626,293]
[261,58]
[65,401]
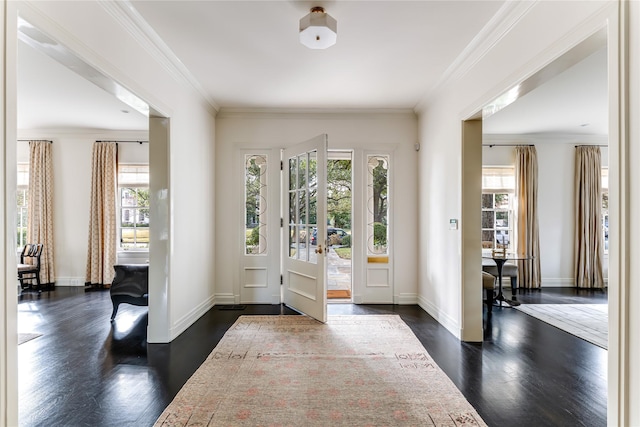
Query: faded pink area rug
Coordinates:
[368,370]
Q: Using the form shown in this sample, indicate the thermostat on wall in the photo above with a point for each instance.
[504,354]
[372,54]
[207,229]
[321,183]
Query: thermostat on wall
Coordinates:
[453,224]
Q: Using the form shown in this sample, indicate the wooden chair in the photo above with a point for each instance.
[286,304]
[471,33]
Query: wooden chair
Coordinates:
[29,266]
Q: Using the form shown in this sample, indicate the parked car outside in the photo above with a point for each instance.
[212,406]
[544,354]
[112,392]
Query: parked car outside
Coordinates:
[331,231]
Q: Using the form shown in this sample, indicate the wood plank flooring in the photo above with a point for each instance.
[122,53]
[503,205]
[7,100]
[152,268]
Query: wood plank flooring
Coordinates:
[85,371]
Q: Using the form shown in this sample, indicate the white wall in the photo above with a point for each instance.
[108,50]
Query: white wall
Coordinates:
[97,33]
[72,151]
[556,158]
[396,131]
[534,39]
[547,30]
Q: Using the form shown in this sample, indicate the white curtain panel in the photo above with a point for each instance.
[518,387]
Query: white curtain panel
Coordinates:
[588,242]
[527,234]
[101,255]
[40,211]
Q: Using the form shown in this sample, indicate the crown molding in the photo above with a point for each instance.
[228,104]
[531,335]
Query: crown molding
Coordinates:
[545,138]
[131,20]
[509,14]
[315,113]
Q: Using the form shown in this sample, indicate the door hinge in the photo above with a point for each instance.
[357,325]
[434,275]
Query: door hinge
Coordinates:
[281,280]
[281,165]
[281,222]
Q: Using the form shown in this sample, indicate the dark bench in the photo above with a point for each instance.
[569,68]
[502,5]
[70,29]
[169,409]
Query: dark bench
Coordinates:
[130,285]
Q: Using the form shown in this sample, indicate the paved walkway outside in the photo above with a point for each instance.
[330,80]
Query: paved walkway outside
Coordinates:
[338,272]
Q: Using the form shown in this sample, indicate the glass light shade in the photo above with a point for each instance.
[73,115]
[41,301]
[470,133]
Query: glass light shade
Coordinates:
[318,30]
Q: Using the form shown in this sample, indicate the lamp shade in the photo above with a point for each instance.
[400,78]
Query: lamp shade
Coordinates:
[318,30]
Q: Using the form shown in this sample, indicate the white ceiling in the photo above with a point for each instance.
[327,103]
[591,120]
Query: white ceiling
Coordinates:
[246,54]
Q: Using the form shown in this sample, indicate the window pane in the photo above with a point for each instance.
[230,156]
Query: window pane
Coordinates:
[502,201]
[487,201]
[142,237]
[502,238]
[127,235]
[129,197]
[502,219]
[142,217]
[487,219]
[487,239]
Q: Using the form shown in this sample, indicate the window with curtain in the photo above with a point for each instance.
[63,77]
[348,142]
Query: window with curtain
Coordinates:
[22,198]
[498,186]
[605,208]
[133,190]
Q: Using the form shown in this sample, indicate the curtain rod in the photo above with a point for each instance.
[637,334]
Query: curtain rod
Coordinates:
[507,145]
[117,142]
[592,145]
[29,140]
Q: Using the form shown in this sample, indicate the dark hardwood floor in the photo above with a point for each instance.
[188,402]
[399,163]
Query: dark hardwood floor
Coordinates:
[85,371]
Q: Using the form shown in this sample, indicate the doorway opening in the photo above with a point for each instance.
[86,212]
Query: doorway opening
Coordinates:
[339,226]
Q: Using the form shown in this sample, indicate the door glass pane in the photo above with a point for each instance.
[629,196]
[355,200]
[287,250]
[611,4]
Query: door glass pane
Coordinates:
[255,189]
[377,204]
[313,207]
[292,174]
[293,247]
[313,166]
[302,243]
[292,207]
[313,242]
[302,207]
[302,170]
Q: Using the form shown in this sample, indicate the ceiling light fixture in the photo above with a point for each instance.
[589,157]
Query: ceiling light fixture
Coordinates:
[318,30]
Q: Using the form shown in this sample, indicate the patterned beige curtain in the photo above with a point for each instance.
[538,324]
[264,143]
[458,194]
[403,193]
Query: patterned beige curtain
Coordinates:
[101,255]
[527,236]
[588,245]
[40,211]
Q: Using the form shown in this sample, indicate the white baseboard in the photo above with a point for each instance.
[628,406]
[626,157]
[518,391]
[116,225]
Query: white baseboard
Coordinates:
[451,324]
[225,299]
[190,318]
[405,299]
[70,281]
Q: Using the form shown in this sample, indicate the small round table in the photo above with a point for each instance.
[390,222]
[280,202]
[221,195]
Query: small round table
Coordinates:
[500,260]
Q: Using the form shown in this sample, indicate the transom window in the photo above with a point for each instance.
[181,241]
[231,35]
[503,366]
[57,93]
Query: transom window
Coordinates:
[133,186]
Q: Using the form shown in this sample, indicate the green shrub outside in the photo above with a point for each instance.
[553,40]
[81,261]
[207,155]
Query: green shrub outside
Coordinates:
[346,241]
[254,237]
[379,234]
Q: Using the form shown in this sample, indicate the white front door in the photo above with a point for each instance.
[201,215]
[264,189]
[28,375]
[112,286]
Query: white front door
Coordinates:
[305,229]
